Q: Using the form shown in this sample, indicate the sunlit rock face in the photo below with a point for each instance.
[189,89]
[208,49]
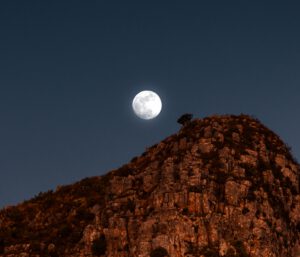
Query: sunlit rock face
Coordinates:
[221,186]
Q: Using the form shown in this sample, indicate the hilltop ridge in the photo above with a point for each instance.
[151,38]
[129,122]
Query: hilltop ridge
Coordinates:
[222,186]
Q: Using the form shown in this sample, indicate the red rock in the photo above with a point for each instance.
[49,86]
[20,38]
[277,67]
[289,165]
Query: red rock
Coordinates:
[222,186]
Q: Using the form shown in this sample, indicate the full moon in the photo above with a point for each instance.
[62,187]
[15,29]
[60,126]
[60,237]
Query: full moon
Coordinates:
[146,105]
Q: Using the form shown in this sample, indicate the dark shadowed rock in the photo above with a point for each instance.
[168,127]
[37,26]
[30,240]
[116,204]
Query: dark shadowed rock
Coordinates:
[222,186]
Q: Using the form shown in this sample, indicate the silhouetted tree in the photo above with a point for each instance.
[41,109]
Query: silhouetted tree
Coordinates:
[185,118]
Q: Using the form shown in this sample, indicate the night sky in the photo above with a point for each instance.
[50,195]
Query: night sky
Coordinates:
[69,71]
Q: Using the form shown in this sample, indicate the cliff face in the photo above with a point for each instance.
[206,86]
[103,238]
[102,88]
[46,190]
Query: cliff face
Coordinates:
[221,186]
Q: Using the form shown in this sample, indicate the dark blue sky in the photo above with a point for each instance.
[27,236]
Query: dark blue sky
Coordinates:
[69,70]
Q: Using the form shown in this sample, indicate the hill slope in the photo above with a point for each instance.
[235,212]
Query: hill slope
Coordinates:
[221,186]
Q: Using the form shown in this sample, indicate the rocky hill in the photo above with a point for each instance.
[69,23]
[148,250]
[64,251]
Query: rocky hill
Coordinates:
[222,186]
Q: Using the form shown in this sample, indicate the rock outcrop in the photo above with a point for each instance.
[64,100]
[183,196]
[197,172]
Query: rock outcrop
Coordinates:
[222,186]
